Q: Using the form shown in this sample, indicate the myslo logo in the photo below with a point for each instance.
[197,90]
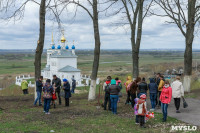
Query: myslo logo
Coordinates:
[183,128]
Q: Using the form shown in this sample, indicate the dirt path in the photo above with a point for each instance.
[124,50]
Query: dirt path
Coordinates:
[190,115]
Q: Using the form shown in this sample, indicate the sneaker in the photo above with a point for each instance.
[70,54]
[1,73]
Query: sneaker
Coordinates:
[177,111]
[48,113]
[44,111]
[137,123]
[152,110]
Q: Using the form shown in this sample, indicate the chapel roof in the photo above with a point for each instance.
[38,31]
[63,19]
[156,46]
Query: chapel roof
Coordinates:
[69,69]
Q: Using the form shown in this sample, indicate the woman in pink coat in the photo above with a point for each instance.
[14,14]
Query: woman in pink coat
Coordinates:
[165,99]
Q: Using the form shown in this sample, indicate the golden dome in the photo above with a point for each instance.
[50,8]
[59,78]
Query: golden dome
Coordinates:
[63,39]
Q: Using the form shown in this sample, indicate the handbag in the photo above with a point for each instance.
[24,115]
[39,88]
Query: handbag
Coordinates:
[120,94]
[54,97]
[185,105]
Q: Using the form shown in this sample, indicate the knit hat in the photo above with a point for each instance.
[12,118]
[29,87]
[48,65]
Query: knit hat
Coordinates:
[48,80]
[113,82]
[64,80]
[143,96]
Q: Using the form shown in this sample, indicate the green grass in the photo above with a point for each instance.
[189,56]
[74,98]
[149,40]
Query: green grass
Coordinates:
[32,81]
[81,116]
[14,90]
[195,85]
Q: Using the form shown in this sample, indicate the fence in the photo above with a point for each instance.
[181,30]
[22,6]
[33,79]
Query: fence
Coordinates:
[79,83]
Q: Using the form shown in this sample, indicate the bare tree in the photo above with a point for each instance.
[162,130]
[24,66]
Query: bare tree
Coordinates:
[185,14]
[92,11]
[135,11]
[40,44]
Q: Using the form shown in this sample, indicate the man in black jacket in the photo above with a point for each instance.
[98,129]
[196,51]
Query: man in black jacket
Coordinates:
[57,83]
[143,87]
[39,86]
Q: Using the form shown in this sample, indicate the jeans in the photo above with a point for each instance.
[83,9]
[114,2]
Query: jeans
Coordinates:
[114,99]
[164,107]
[133,96]
[136,119]
[153,97]
[107,100]
[159,93]
[177,102]
[141,120]
[46,105]
[128,97]
[38,98]
[73,88]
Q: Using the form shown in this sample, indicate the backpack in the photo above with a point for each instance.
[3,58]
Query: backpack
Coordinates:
[129,86]
[107,88]
[120,85]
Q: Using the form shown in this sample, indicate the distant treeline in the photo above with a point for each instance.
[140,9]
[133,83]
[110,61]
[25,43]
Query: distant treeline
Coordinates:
[153,52]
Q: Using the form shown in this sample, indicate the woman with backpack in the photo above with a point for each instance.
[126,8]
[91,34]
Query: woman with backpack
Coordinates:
[47,90]
[114,91]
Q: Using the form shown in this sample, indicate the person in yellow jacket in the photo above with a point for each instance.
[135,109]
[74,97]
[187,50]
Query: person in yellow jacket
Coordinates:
[129,80]
[24,86]
[160,87]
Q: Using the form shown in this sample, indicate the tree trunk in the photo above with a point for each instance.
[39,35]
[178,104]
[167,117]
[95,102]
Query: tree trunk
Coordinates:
[95,67]
[136,46]
[135,60]
[189,41]
[40,43]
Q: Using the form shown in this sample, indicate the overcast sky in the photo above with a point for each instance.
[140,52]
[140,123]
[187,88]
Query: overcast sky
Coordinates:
[24,34]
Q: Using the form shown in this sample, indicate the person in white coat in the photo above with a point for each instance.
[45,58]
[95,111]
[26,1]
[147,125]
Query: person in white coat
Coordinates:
[177,92]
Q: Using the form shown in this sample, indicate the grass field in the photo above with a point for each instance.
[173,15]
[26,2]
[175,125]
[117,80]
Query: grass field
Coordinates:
[81,117]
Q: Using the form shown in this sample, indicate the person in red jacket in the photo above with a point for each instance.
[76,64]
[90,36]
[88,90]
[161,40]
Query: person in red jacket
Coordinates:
[165,98]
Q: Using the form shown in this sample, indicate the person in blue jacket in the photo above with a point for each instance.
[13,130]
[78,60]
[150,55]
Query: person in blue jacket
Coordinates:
[66,88]
[153,87]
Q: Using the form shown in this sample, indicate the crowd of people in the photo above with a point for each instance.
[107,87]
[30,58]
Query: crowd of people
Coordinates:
[51,90]
[160,93]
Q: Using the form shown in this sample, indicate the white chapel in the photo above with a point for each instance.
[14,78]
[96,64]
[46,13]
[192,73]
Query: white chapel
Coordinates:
[62,62]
